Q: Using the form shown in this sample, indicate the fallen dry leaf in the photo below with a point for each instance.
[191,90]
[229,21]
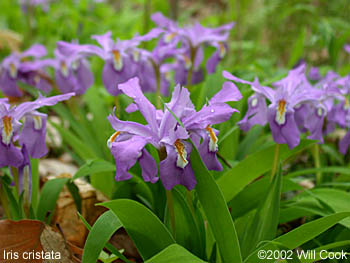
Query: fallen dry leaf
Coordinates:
[32,241]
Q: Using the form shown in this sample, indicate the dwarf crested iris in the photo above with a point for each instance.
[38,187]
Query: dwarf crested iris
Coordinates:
[287,96]
[121,58]
[30,135]
[163,132]
[193,39]
[19,67]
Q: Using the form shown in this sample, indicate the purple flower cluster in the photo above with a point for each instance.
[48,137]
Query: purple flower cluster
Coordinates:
[18,139]
[179,50]
[295,105]
[163,132]
[24,67]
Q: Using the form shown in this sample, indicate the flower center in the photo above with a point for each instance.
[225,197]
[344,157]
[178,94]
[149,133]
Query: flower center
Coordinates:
[347,104]
[254,102]
[13,71]
[117,60]
[38,122]
[75,64]
[136,55]
[222,50]
[7,130]
[169,37]
[181,154]
[188,62]
[64,69]
[112,139]
[213,143]
[320,112]
[36,79]
[281,112]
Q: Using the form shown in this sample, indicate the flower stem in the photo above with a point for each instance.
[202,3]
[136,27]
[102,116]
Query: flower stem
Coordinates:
[276,159]
[190,71]
[317,160]
[170,203]
[4,202]
[158,81]
[14,172]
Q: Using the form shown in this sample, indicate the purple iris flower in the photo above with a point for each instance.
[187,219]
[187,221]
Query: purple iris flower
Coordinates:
[193,39]
[72,71]
[162,131]
[347,48]
[121,58]
[31,134]
[314,74]
[14,68]
[285,99]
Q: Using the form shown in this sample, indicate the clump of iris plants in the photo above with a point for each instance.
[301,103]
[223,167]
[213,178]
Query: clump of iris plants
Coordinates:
[169,135]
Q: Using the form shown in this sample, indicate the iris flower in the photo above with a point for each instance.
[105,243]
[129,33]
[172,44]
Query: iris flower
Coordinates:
[121,58]
[31,134]
[163,132]
[287,96]
[193,39]
[16,68]
[72,72]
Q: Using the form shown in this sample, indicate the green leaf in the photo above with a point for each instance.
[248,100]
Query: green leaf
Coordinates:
[265,222]
[329,169]
[74,191]
[35,182]
[49,196]
[94,166]
[255,165]
[103,229]
[16,210]
[187,232]
[299,236]
[327,247]
[174,254]
[298,48]
[148,233]
[79,147]
[216,211]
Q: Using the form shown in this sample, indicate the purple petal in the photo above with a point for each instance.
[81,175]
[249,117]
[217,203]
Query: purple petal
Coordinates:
[25,107]
[208,157]
[33,135]
[208,115]
[105,40]
[172,175]
[112,78]
[132,89]
[84,76]
[8,85]
[228,92]
[36,50]
[212,62]
[286,133]
[126,154]
[344,143]
[10,155]
[256,114]
[149,167]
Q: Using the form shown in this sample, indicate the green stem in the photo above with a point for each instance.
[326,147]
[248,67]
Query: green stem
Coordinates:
[190,71]
[158,81]
[276,159]
[169,197]
[146,18]
[170,203]
[4,203]
[14,172]
[317,160]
